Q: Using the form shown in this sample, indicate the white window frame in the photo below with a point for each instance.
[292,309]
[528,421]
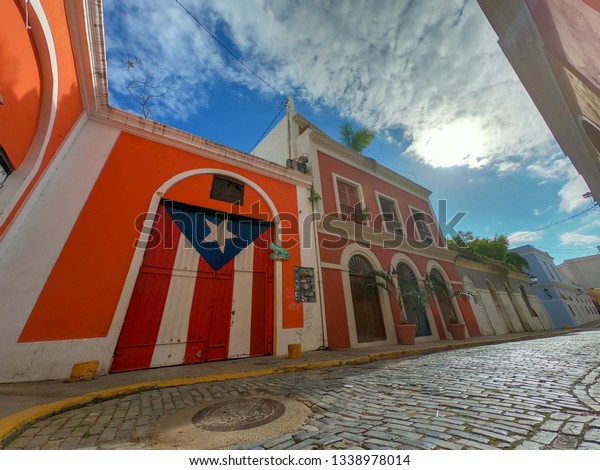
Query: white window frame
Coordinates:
[397,215]
[413,211]
[358,186]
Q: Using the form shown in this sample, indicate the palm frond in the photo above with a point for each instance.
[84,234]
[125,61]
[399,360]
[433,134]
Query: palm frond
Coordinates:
[356,140]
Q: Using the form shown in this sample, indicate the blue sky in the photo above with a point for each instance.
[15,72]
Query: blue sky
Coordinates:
[427,75]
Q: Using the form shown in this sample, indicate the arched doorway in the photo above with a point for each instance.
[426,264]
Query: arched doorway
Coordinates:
[483,318]
[365,301]
[516,308]
[198,264]
[442,296]
[413,306]
[499,306]
[532,311]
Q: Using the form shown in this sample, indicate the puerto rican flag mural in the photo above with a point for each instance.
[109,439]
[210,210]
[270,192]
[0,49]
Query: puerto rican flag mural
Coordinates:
[204,291]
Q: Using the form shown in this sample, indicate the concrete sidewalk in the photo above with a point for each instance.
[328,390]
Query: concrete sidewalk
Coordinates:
[22,404]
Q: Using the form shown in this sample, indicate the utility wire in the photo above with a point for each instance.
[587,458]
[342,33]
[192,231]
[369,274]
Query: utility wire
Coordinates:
[561,249]
[281,108]
[564,220]
[229,51]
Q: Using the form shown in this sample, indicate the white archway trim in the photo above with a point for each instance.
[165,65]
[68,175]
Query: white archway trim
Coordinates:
[403,258]
[432,264]
[49,80]
[136,261]
[499,305]
[478,307]
[354,249]
[384,298]
[581,119]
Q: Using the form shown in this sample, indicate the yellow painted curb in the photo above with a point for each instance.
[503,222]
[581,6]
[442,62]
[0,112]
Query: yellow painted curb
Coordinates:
[388,355]
[324,364]
[355,361]
[13,424]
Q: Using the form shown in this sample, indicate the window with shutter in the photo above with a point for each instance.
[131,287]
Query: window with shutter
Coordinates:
[391,219]
[349,198]
[421,221]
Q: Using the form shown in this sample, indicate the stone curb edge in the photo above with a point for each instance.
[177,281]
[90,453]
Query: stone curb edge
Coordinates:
[15,423]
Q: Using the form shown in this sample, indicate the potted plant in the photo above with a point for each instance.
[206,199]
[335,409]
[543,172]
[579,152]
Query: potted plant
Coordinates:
[360,214]
[444,293]
[457,330]
[405,330]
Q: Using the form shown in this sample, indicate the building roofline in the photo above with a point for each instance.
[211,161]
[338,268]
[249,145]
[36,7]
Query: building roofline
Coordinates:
[87,28]
[359,160]
[582,258]
[526,249]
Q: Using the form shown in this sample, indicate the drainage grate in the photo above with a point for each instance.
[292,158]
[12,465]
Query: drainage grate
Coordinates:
[235,415]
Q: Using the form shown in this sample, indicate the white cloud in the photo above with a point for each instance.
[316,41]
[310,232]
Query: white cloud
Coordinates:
[519,237]
[538,212]
[571,195]
[590,220]
[431,69]
[574,238]
[552,169]
[507,167]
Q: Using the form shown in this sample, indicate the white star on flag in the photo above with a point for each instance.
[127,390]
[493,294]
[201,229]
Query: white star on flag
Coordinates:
[218,233]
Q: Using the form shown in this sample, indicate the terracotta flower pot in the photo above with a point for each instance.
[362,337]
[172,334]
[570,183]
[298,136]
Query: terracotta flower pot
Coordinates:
[457,330]
[406,333]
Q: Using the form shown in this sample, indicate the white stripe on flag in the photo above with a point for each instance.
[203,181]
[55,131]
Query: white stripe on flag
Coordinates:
[172,335]
[241,321]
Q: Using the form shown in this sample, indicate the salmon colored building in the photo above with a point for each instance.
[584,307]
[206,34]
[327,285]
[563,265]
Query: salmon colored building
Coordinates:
[553,47]
[126,244]
[369,218]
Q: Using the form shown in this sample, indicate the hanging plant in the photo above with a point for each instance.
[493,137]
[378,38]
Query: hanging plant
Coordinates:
[313,196]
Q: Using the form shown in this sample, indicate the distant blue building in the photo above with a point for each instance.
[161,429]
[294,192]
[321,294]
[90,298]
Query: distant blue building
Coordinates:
[565,302]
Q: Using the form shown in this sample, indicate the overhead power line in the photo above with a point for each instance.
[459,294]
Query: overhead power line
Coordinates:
[230,51]
[281,108]
[564,220]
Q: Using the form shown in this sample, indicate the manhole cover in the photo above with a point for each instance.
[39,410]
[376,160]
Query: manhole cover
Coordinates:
[235,415]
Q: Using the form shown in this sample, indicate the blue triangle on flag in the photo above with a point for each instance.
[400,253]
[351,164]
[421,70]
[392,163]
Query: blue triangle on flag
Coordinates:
[216,236]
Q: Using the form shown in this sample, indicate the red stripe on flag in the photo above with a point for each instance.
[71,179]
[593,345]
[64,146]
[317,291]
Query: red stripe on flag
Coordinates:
[144,314]
[261,337]
[210,316]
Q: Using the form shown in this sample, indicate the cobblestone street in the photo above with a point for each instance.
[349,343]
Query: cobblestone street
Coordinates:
[537,394]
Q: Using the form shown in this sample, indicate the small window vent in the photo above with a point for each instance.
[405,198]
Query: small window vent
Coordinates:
[227,190]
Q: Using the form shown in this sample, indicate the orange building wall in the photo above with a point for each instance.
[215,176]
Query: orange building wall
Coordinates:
[20,84]
[81,295]
[70,105]
[27,83]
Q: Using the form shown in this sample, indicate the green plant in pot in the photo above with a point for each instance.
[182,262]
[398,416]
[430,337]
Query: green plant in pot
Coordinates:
[405,330]
[360,215]
[457,329]
[443,293]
